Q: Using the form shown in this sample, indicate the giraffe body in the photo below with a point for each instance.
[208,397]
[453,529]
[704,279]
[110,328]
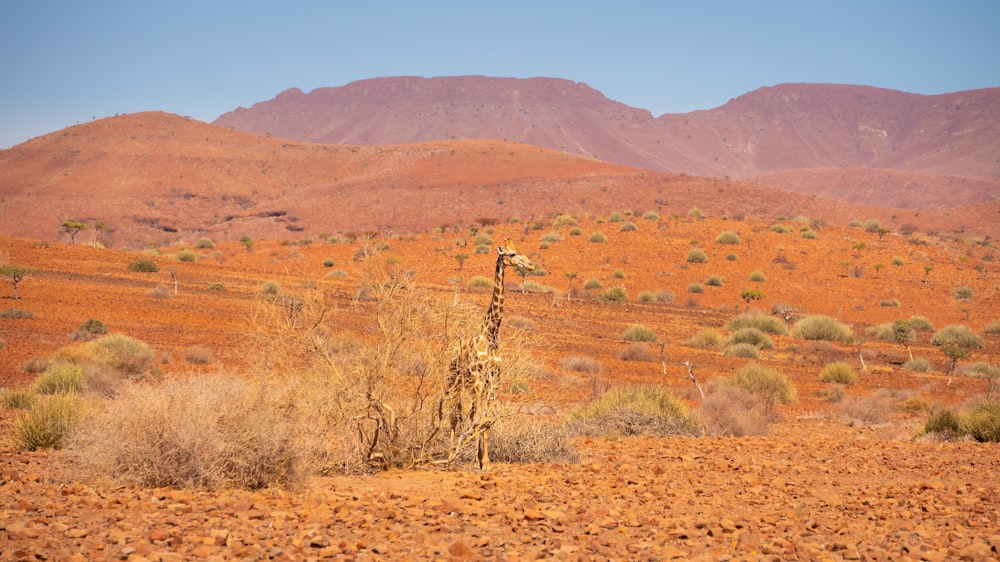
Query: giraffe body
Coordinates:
[475,373]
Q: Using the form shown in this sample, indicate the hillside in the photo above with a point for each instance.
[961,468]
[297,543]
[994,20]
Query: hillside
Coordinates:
[157,178]
[955,136]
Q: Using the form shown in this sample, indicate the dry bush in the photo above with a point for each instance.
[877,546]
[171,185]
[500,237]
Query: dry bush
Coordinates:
[838,372]
[515,440]
[206,431]
[867,410]
[160,292]
[752,336]
[706,339]
[767,385]
[745,350]
[639,333]
[646,410]
[198,355]
[729,410]
[127,355]
[820,327]
[580,364]
[635,352]
[760,321]
[60,378]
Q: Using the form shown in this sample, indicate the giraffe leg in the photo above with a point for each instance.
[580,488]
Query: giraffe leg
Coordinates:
[483,454]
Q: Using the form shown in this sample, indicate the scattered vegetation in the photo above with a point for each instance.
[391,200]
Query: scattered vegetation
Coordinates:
[625,411]
[639,333]
[767,385]
[759,321]
[838,372]
[697,256]
[980,423]
[580,364]
[144,265]
[613,295]
[727,237]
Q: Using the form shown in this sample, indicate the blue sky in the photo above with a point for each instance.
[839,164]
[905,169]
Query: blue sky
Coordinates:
[67,62]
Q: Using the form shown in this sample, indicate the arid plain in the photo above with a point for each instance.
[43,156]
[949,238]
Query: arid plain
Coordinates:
[839,474]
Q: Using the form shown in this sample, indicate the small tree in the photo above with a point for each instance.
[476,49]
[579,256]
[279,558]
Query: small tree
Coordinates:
[100,227]
[460,258]
[16,273]
[72,228]
[957,342]
[902,333]
[749,295]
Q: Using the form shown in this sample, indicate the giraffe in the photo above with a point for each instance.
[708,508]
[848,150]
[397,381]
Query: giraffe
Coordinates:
[476,369]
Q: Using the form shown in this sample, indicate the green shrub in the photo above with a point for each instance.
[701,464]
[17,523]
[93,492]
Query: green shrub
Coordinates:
[696,213]
[328,262]
[727,237]
[635,352]
[943,421]
[731,257]
[763,322]
[758,277]
[983,370]
[483,239]
[982,422]
[592,283]
[60,378]
[697,256]
[714,281]
[706,339]
[144,265]
[884,331]
[746,350]
[48,423]
[575,232]
[271,288]
[613,295]
[892,303]
[820,327]
[650,216]
[780,229]
[751,336]
[628,226]
[616,217]
[838,372]
[957,335]
[205,244]
[552,237]
[565,220]
[18,399]
[645,410]
[695,288]
[656,296]
[639,332]
[597,237]
[767,385]
[896,260]
[809,234]
[917,365]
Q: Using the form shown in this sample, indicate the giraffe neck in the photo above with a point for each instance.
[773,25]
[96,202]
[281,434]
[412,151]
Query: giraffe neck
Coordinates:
[491,324]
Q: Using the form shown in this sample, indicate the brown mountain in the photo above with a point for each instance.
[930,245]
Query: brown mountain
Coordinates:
[773,134]
[158,178]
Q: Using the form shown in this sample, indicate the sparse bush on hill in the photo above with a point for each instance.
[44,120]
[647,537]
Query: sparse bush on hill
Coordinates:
[144,265]
[128,356]
[597,237]
[89,330]
[198,355]
[757,277]
[992,328]
[271,288]
[962,293]
[732,411]
[809,234]
[917,365]
[635,352]
[760,321]
[551,237]
[714,281]
[616,217]
[897,261]
[17,313]
[727,237]
[751,336]
[640,333]
[188,255]
[745,350]
[697,256]
[981,422]
[613,295]
[580,364]
[957,335]
[838,372]
[205,244]
[769,386]
[920,324]
[626,411]
[705,339]
[695,288]
[820,327]
[592,283]
[60,378]
[628,226]
[779,228]
[515,442]
[696,213]
[656,296]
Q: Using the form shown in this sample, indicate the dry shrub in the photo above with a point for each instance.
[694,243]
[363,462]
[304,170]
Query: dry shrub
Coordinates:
[820,327]
[867,410]
[767,385]
[60,378]
[838,372]
[580,364]
[517,440]
[707,339]
[645,410]
[745,350]
[752,336]
[160,292]
[207,431]
[639,333]
[760,321]
[127,355]
[729,410]
[635,352]
[198,355]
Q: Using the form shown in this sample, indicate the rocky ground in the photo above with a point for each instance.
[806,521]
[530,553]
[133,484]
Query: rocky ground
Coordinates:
[814,489]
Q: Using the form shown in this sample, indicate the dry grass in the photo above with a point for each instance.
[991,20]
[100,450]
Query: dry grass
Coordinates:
[729,410]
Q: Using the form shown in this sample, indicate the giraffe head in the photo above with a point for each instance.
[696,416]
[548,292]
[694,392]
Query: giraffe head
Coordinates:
[512,256]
